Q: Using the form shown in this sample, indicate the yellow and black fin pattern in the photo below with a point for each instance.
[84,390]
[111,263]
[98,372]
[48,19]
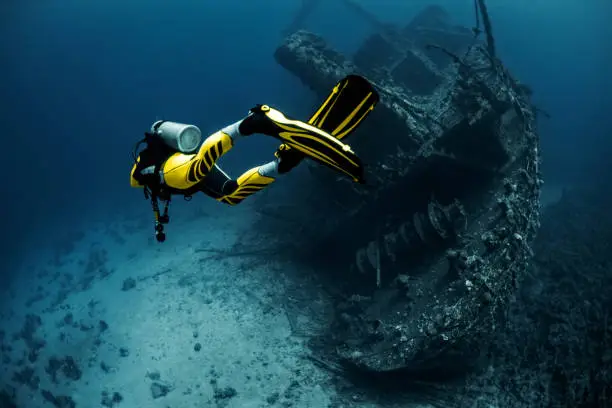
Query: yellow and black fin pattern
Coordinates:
[314,143]
[183,171]
[347,105]
[249,183]
[344,109]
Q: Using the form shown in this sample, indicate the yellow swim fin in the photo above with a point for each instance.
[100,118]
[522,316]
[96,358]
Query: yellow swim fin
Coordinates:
[311,141]
[344,109]
[347,105]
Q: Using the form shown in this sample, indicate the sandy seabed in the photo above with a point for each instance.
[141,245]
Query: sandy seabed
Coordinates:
[170,325]
[118,320]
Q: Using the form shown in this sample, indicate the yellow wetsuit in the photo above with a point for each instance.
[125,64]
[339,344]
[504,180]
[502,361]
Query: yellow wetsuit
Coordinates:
[163,171]
[182,172]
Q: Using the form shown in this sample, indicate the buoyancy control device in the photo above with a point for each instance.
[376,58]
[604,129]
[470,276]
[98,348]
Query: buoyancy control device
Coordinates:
[164,139]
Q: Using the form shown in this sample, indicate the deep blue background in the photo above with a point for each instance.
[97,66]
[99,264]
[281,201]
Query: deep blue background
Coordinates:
[81,80]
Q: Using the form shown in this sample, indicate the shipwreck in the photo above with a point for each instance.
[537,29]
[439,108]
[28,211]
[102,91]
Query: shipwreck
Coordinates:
[425,257]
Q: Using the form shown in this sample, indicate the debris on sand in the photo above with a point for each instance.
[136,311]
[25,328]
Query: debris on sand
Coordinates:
[67,365]
[27,377]
[128,284]
[224,393]
[111,400]
[159,390]
[60,401]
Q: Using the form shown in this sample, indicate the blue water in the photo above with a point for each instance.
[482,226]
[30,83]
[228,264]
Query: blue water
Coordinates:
[80,81]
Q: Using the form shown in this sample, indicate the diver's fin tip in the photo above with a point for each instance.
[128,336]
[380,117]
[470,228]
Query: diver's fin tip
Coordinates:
[347,105]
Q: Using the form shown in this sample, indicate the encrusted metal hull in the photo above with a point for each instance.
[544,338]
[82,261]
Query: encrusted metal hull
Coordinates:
[435,245]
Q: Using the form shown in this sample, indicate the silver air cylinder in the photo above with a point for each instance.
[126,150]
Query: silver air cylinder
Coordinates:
[184,138]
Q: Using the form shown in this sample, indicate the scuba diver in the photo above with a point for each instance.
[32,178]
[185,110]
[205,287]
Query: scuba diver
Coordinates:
[175,163]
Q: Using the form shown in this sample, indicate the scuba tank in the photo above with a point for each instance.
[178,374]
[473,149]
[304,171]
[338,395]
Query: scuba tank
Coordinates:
[182,138]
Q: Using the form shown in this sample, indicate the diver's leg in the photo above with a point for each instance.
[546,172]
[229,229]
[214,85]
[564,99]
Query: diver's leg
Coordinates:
[182,171]
[340,114]
[217,183]
[313,142]
[251,181]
